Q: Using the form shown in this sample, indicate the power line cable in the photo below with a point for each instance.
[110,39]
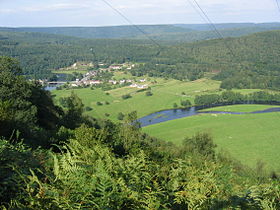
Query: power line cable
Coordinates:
[131,23]
[196,9]
[214,27]
[278,6]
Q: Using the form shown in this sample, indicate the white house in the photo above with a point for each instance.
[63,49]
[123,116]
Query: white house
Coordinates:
[115,67]
[114,82]
[142,80]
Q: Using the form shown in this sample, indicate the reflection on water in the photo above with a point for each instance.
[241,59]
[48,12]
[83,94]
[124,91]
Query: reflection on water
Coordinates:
[173,114]
[51,87]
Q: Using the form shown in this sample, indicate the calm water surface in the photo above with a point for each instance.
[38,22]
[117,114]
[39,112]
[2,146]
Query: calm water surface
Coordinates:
[167,115]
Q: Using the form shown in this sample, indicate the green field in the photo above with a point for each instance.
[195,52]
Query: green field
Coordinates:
[249,138]
[165,94]
[241,108]
[69,71]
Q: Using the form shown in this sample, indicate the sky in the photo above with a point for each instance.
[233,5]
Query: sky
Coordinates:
[20,13]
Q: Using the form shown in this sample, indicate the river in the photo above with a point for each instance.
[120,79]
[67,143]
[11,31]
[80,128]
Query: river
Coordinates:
[166,115]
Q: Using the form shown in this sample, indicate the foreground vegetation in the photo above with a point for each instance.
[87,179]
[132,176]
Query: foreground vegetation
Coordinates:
[250,138]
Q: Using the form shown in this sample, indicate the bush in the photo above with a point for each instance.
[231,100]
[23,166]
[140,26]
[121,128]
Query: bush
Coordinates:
[98,103]
[200,144]
[149,93]
[186,103]
[175,105]
[126,96]
[107,114]
[121,116]
[107,103]
[88,109]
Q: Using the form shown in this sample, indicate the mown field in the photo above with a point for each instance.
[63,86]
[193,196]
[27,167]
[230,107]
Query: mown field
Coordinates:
[249,138]
[165,94]
[80,71]
[241,108]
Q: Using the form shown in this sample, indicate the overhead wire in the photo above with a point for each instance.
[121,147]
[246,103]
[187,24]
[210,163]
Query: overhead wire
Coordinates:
[220,35]
[131,23]
[278,5]
[213,26]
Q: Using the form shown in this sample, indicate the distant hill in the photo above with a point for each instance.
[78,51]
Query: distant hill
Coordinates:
[223,26]
[177,32]
[110,32]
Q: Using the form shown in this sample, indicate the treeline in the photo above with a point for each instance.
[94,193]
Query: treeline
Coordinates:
[54,158]
[230,98]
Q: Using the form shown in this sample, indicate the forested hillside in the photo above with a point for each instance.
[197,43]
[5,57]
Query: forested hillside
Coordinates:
[177,32]
[103,32]
[40,53]
[250,61]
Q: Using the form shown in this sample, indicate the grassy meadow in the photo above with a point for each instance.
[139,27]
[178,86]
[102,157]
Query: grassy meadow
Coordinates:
[165,94]
[64,71]
[248,138]
[241,108]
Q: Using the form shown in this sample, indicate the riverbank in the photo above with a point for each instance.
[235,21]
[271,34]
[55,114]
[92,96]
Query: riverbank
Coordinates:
[173,114]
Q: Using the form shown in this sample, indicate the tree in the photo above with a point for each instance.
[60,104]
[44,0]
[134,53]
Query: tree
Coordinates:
[149,93]
[121,116]
[175,105]
[73,117]
[201,144]
[126,96]
[186,103]
[16,91]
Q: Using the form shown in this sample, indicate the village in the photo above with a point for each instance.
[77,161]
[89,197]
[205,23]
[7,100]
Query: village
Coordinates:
[90,78]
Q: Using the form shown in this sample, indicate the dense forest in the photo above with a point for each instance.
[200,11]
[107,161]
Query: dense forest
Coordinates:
[58,158]
[246,62]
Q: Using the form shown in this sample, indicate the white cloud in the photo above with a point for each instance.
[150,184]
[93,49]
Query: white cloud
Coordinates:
[53,7]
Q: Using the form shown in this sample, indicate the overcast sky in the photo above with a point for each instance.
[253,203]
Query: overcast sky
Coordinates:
[97,13]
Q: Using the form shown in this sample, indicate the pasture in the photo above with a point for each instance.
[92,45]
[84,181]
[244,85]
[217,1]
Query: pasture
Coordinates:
[165,94]
[249,138]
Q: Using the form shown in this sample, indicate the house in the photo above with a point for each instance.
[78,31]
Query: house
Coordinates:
[142,86]
[142,80]
[115,67]
[139,86]
[114,82]
[94,82]
[122,81]
[133,85]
